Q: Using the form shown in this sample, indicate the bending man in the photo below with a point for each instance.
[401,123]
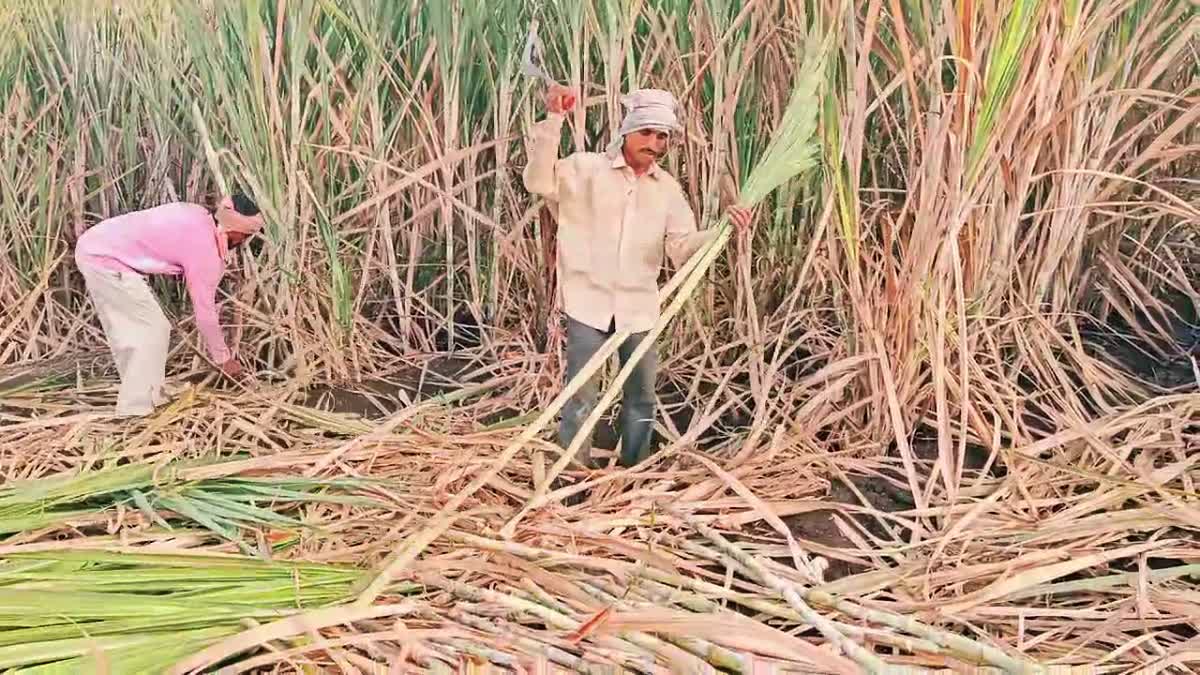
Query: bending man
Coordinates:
[172,239]
[617,213]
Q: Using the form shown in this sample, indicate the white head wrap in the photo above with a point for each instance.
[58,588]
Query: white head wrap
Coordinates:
[647,109]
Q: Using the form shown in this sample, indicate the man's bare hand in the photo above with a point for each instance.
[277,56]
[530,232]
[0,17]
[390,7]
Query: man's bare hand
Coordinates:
[742,218]
[560,99]
[232,369]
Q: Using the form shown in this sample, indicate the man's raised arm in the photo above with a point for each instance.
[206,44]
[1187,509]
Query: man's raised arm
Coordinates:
[541,174]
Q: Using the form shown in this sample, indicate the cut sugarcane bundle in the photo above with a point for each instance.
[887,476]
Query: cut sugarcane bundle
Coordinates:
[62,611]
[221,501]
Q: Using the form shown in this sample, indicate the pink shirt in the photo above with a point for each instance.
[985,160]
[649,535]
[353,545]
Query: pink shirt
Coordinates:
[174,239]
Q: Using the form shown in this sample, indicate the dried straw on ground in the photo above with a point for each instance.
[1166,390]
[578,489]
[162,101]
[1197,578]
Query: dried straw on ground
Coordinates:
[1086,556]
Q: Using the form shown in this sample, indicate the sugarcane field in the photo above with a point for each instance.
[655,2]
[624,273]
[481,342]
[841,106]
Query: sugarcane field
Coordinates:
[601,336]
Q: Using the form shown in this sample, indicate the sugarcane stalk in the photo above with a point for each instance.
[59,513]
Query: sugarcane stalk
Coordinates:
[980,652]
[949,643]
[413,546]
[551,617]
[1107,582]
[872,663]
[479,651]
[958,646]
[538,594]
[662,594]
[210,154]
[400,417]
[671,586]
[715,655]
[532,646]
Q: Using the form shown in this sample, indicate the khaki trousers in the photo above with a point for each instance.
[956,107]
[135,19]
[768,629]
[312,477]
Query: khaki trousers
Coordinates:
[138,334]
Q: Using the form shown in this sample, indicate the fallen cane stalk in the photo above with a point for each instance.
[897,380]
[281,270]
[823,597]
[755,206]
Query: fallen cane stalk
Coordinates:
[861,656]
[644,646]
[400,418]
[935,641]
[715,655]
[538,594]
[530,645]
[720,656]
[433,659]
[980,652]
[479,651]
[660,593]
[962,647]
[408,552]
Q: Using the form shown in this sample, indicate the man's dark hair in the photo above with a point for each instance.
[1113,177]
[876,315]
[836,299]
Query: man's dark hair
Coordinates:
[244,205]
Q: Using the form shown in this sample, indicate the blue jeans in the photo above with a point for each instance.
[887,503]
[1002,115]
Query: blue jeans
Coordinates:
[636,421]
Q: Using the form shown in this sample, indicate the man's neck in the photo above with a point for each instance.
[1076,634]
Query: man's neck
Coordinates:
[639,168]
[640,171]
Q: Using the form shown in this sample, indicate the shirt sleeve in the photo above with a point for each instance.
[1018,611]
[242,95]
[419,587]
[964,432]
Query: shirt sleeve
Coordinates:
[202,283]
[545,171]
[683,239]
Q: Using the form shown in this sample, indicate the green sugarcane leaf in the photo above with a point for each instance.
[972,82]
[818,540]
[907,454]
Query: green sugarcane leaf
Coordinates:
[185,508]
[143,504]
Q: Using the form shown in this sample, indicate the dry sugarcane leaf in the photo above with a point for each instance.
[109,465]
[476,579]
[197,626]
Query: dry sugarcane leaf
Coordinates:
[293,625]
[1040,575]
[590,626]
[728,630]
[798,556]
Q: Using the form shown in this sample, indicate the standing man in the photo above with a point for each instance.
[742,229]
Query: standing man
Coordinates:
[173,239]
[617,213]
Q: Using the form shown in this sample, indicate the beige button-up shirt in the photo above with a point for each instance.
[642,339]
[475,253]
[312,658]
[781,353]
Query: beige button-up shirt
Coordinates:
[613,229]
